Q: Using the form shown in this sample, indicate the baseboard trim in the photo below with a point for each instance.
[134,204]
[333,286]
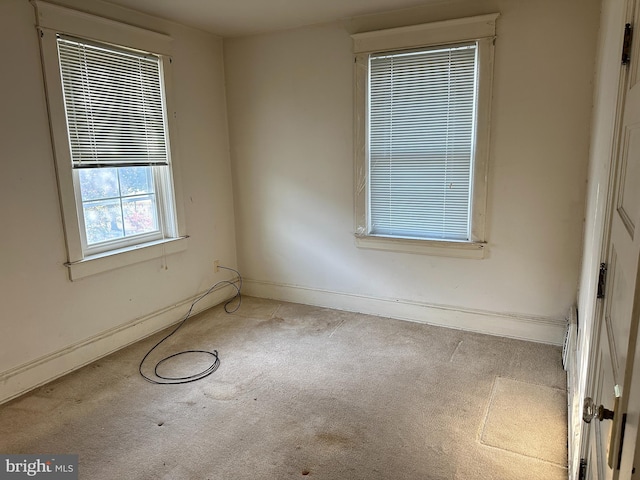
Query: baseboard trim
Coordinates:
[23,378]
[522,327]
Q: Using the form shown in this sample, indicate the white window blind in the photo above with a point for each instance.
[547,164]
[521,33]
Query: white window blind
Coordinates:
[114,105]
[421,142]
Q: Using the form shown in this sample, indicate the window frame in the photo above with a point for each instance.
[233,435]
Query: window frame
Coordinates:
[481,30]
[52,20]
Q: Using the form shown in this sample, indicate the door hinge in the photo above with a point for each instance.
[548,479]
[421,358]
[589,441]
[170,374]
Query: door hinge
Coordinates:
[602,279]
[582,473]
[623,426]
[626,44]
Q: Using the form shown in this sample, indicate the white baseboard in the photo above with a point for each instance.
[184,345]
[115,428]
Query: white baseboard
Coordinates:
[21,379]
[523,327]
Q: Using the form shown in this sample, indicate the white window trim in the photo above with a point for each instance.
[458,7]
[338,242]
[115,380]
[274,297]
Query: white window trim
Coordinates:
[480,29]
[51,20]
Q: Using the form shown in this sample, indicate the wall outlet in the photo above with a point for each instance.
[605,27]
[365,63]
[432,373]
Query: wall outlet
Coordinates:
[216,266]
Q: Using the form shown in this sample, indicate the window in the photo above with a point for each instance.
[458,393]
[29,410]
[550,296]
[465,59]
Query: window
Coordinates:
[107,98]
[422,102]
[115,122]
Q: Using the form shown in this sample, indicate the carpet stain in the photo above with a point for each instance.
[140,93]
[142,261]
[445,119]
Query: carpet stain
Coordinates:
[229,391]
[273,321]
[311,324]
[224,392]
[333,439]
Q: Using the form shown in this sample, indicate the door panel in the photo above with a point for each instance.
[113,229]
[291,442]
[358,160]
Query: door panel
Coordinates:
[616,311]
[629,199]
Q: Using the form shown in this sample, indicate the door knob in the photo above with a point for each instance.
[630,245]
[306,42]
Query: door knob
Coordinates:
[591,411]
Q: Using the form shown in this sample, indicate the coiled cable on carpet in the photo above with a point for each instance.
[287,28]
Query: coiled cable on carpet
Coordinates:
[169,380]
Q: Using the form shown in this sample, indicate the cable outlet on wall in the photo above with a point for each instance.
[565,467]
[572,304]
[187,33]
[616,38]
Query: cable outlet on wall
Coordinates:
[216,266]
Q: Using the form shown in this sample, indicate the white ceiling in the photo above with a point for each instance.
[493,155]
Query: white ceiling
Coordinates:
[245,17]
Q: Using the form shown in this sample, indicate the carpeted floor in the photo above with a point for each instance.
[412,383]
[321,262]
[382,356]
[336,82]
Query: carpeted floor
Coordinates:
[305,392]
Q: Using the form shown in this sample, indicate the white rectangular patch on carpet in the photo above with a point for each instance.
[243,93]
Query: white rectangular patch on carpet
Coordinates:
[527,419]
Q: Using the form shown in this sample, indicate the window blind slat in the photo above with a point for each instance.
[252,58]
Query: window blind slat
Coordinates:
[421,134]
[113,119]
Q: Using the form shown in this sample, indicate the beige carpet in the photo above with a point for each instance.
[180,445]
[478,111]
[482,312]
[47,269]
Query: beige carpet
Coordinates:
[305,392]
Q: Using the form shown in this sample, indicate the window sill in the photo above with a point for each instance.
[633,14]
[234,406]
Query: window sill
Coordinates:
[473,250]
[106,261]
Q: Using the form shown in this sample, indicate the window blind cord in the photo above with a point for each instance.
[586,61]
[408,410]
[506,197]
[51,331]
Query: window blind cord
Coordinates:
[163,229]
[164,265]
[169,380]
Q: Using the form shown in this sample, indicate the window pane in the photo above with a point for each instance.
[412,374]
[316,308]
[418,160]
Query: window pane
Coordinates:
[115,209]
[98,183]
[103,220]
[135,180]
[139,215]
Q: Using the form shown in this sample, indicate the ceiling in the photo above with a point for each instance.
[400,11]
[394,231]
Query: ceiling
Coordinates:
[232,18]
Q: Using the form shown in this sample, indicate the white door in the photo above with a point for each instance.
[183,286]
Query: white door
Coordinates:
[614,353]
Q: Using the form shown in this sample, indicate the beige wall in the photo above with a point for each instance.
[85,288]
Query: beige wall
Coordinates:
[42,312]
[291,135]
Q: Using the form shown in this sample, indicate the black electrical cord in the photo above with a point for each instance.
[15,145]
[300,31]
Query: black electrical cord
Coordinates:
[166,380]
